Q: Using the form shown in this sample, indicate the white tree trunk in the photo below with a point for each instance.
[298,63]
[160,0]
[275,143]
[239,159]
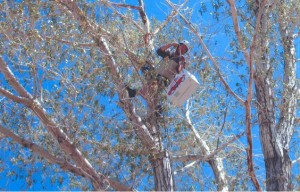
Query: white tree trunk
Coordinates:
[163,176]
[215,162]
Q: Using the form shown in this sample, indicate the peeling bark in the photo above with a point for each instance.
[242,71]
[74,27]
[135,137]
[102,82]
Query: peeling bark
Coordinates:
[275,138]
[215,162]
[163,176]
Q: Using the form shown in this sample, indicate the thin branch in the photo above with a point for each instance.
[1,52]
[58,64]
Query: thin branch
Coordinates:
[249,58]
[129,19]
[12,80]
[249,98]
[238,31]
[89,45]
[121,5]
[215,63]
[215,163]
[140,128]
[167,20]
[63,140]
[203,158]
[143,15]
[13,97]
[295,161]
[42,152]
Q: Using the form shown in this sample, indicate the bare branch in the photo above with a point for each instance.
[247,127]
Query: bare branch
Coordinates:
[203,158]
[53,128]
[249,60]
[12,80]
[295,161]
[89,45]
[143,15]
[238,31]
[167,20]
[129,19]
[141,129]
[13,97]
[65,165]
[121,5]
[215,163]
[214,62]
[147,36]
[42,152]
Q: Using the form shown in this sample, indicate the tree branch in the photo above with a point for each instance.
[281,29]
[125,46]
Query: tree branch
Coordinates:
[112,5]
[167,20]
[249,59]
[295,161]
[12,80]
[53,128]
[147,36]
[140,128]
[42,152]
[238,31]
[13,97]
[65,165]
[121,5]
[215,163]
[203,158]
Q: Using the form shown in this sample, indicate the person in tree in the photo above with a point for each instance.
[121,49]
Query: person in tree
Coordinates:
[173,62]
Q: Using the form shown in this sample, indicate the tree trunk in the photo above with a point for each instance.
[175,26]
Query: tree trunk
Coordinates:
[163,176]
[275,138]
[220,174]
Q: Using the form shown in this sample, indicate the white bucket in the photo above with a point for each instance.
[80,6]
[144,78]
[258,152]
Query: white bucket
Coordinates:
[182,87]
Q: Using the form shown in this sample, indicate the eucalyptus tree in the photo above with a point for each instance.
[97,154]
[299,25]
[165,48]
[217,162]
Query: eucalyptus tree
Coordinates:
[65,66]
[274,75]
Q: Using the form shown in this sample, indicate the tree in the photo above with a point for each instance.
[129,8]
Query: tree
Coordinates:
[64,69]
[275,129]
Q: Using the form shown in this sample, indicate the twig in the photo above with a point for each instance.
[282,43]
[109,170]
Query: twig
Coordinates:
[202,158]
[13,97]
[12,80]
[295,161]
[167,20]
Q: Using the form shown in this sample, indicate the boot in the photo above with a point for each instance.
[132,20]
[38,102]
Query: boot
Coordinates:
[158,111]
[131,92]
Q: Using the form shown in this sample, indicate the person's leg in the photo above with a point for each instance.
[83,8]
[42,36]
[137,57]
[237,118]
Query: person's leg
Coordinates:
[131,92]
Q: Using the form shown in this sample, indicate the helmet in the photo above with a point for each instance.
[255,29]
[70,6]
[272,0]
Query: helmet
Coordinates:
[186,43]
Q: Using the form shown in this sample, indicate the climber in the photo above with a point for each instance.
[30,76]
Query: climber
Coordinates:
[173,62]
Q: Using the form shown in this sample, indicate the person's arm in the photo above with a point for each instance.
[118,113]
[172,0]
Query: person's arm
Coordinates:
[163,50]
